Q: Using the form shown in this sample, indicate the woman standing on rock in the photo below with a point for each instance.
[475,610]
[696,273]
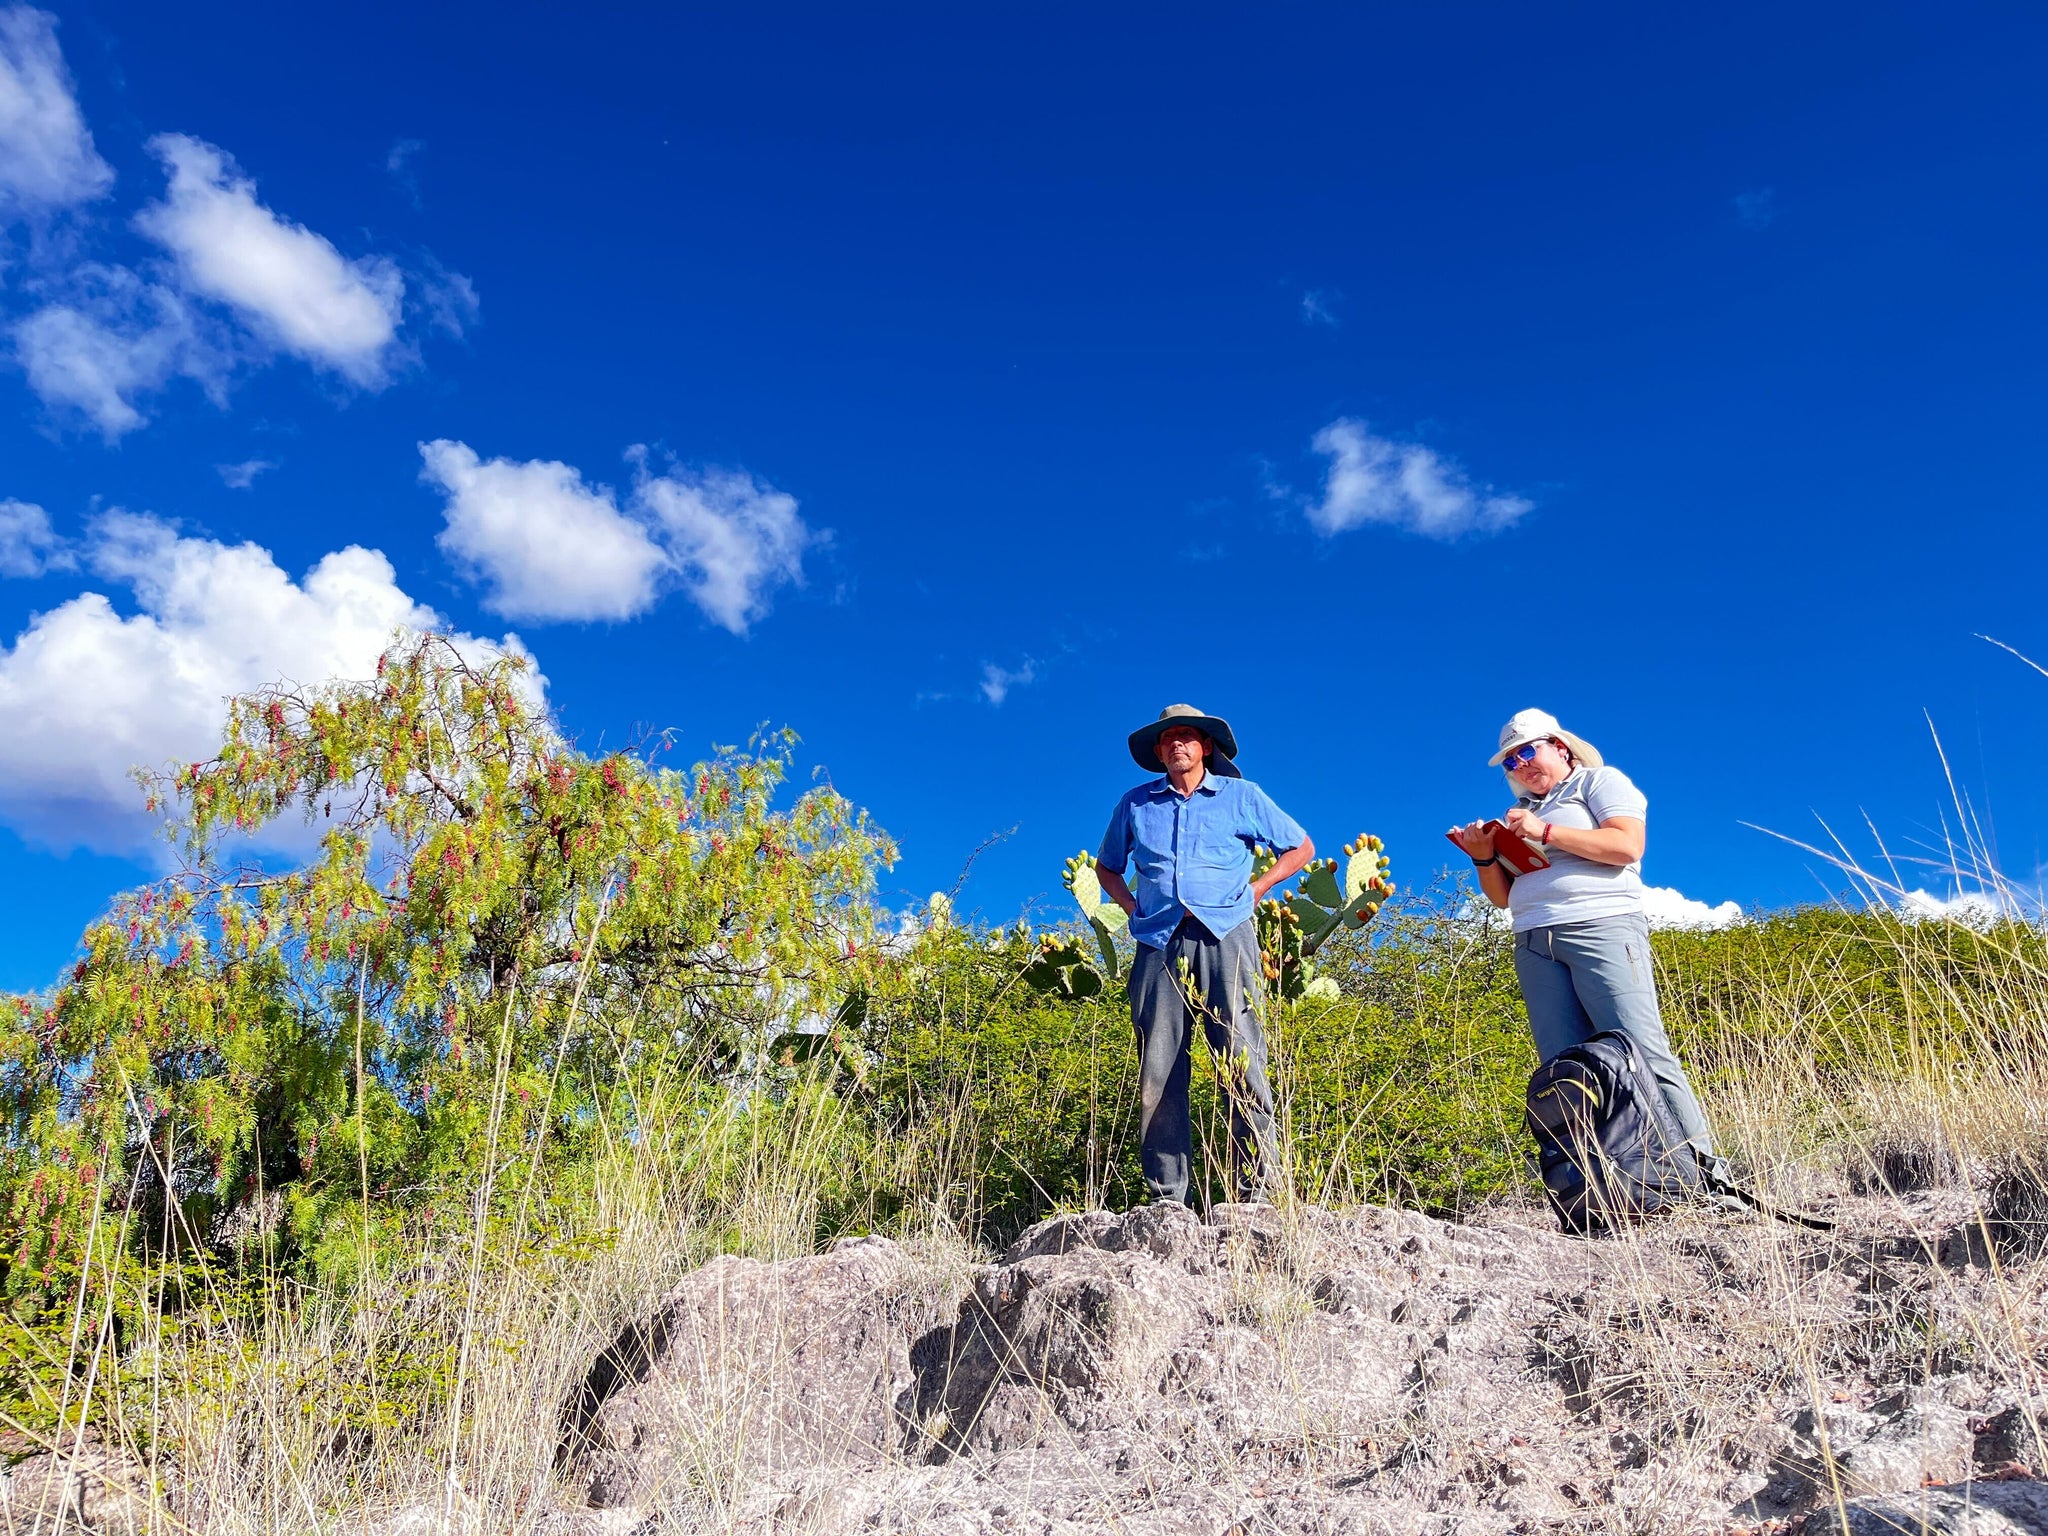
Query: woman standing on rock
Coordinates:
[1582,944]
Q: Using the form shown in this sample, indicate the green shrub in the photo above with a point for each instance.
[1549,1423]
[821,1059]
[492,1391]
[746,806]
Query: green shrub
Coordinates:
[506,958]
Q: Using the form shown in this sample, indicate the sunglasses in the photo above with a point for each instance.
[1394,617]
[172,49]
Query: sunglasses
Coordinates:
[1521,757]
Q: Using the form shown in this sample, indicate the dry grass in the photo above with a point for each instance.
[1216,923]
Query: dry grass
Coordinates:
[442,1381]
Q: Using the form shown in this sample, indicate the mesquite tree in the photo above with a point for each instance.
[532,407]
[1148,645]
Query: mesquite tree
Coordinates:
[501,954]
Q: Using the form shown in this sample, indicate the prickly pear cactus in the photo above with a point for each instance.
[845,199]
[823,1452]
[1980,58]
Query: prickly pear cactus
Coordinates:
[1328,898]
[1065,966]
[1104,916]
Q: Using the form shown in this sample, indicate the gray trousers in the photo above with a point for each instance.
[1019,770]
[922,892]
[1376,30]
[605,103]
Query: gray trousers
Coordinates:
[1224,983]
[1579,979]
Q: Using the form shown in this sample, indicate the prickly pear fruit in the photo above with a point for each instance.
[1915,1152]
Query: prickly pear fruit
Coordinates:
[1330,896]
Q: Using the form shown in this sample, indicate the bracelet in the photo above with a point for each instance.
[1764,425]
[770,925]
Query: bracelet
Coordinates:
[1482,863]
[1548,828]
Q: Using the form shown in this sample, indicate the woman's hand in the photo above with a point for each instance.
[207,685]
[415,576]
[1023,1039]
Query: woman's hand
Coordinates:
[1474,839]
[1617,840]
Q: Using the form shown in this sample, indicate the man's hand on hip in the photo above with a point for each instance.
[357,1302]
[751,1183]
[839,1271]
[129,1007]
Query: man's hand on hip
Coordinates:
[1285,868]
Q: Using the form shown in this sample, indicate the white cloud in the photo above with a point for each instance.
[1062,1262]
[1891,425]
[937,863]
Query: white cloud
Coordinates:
[1403,485]
[1666,907]
[87,693]
[1317,308]
[288,283]
[548,545]
[102,338]
[47,159]
[113,340]
[239,477]
[1973,909]
[446,299]
[731,539]
[996,682]
[29,546]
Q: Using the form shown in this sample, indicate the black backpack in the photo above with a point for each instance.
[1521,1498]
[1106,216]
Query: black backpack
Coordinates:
[1612,1152]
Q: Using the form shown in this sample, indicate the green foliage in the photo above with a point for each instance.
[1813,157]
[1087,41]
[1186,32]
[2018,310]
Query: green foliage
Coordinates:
[995,1102]
[1410,1088]
[504,957]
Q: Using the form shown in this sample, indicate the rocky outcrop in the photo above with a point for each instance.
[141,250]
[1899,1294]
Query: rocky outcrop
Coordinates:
[2016,1508]
[1373,1372]
[748,1368]
[83,1489]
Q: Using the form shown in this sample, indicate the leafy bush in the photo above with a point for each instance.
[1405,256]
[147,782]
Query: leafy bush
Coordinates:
[505,958]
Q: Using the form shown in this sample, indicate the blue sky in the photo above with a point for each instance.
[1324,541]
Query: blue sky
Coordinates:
[960,388]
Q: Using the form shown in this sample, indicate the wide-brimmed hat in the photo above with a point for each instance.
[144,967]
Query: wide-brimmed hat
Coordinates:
[1145,739]
[1529,725]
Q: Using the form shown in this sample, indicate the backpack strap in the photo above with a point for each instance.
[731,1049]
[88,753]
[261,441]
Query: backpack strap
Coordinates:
[1721,1184]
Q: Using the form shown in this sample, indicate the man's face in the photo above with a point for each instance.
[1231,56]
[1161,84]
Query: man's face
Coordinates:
[1181,748]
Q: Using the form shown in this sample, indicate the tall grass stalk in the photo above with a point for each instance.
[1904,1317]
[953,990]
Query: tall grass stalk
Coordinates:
[1834,1051]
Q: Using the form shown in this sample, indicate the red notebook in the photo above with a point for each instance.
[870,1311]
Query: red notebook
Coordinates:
[1518,853]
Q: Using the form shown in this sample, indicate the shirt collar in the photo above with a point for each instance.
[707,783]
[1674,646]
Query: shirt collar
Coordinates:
[1210,785]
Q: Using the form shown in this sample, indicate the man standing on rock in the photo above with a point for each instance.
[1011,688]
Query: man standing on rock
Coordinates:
[1191,834]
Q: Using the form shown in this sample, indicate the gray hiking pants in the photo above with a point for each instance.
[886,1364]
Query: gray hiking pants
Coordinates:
[1579,979]
[1223,982]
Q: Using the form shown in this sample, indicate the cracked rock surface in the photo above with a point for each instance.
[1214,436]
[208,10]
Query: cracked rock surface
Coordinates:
[1373,1371]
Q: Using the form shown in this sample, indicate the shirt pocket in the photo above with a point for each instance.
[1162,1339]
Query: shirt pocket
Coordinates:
[1152,843]
[1216,847]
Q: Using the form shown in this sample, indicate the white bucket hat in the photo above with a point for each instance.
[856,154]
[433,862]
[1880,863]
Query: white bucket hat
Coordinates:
[1529,725]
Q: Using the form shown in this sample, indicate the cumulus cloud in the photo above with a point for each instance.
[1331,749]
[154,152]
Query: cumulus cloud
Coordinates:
[1666,907]
[548,545]
[286,282]
[731,539]
[47,159]
[29,546]
[1373,479]
[87,693]
[544,544]
[996,682]
[240,283]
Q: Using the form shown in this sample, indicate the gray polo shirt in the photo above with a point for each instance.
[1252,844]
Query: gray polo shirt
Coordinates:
[1576,890]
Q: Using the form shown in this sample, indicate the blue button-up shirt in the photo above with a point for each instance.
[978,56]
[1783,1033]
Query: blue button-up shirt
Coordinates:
[1194,854]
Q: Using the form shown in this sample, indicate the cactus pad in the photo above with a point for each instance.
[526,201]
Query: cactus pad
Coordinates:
[1329,897]
[1064,968]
